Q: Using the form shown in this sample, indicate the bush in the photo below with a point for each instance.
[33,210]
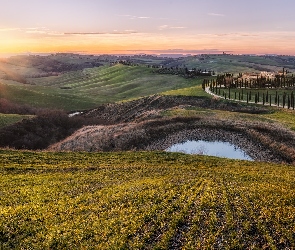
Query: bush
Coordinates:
[39,132]
[8,107]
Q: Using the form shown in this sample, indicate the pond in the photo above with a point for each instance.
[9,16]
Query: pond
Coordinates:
[215,148]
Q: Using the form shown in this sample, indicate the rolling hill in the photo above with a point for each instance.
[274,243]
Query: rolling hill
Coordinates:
[88,88]
[76,82]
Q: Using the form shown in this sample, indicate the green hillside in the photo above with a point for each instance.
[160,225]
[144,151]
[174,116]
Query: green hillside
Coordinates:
[7,119]
[144,201]
[77,82]
[88,88]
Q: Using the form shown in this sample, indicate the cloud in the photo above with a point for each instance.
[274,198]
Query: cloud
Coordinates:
[178,27]
[8,29]
[45,32]
[125,32]
[143,17]
[36,32]
[125,15]
[33,31]
[162,27]
[165,27]
[216,14]
[181,51]
[42,31]
[236,35]
[135,17]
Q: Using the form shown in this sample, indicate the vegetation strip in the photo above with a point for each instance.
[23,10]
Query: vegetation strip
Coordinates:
[143,200]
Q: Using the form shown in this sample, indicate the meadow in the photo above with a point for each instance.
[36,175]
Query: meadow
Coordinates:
[143,200]
[89,88]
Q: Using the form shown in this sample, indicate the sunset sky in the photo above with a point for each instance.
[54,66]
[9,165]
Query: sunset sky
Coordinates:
[142,26]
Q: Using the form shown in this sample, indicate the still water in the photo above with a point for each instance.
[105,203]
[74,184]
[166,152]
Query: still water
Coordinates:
[216,148]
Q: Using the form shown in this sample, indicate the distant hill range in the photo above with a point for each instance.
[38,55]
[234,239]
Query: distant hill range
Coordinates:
[41,66]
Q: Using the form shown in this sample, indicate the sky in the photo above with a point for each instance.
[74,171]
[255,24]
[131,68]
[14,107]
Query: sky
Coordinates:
[147,26]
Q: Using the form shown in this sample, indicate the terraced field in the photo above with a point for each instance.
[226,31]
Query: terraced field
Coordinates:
[114,82]
[144,201]
[91,87]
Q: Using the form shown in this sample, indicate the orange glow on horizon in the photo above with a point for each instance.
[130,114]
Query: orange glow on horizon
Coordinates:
[145,43]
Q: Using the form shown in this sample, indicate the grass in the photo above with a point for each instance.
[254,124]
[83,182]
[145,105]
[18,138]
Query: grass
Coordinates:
[281,115]
[8,119]
[194,112]
[236,93]
[89,88]
[42,97]
[189,91]
[143,201]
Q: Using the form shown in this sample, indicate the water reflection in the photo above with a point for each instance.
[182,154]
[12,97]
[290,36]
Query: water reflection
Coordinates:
[216,148]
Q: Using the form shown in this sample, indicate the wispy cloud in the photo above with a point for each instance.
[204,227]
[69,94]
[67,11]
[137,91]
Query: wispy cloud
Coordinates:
[178,27]
[42,31]
[165,27]
[8,29]
[125,32]
[125,15]
[216,14]
[36,32]
[33,31]
[135,17]
[45,32]
[236,35]
[182,51]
